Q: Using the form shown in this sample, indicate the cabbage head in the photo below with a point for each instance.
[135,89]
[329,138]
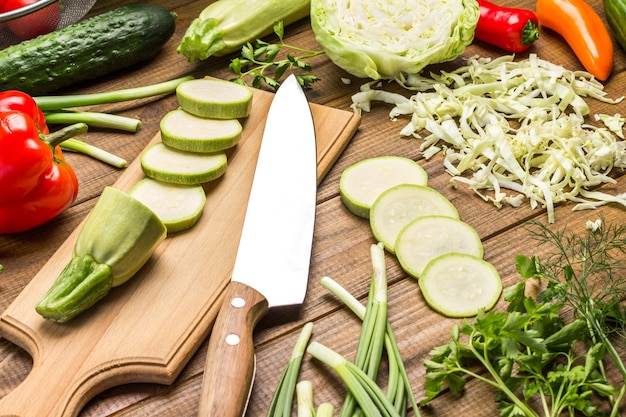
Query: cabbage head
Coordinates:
[380,39]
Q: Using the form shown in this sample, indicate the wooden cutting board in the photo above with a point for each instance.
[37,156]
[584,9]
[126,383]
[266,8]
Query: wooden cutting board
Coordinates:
[147,329]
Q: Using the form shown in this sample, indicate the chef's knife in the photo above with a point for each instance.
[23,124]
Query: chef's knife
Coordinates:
[272,264]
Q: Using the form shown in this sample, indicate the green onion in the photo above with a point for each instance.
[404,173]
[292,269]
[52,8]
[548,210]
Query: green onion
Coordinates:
[283,396]
[304,397]
[398,377]
[47,103]
[54,108]
[93,151]
[370,398]
[371,340]
[105,120]
[399,386]
[325,410]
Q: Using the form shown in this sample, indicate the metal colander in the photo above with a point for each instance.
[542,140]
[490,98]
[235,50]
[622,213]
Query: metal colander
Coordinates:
[71,12]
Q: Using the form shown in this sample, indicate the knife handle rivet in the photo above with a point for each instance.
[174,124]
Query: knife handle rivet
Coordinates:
[237,302]
[232,339]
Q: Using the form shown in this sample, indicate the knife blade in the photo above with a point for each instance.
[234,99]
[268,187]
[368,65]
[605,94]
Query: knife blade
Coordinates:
[272,263]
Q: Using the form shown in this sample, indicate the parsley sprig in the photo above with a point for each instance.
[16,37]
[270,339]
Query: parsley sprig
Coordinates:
[259,61]
[539,364]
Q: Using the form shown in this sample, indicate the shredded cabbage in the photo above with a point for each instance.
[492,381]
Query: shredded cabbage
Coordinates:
[383,38]
[515,125]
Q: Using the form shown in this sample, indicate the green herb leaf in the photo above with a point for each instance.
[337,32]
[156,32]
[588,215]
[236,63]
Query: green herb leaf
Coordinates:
[530,354]
[260,57]
[279,29]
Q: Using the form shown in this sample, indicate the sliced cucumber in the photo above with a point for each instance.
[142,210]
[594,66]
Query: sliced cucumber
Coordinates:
[399,205]
[361,183]
[428,237]
[164,163]
[217,99]
[460,285]
[186,132]
[178,206]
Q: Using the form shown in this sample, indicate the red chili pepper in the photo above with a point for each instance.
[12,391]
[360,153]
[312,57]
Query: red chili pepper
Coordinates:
[511,29]
[36,183]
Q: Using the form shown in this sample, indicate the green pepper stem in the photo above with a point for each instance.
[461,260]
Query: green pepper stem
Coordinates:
[55,138]
[530,33]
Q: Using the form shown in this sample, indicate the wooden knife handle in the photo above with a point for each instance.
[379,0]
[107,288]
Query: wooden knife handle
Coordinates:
[230,364]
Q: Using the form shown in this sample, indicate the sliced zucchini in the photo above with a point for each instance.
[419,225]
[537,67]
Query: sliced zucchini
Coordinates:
[184,131]
[217,99]
[164,163]
[399,205]
[428,237]
[178,206]
[361,183]
[460,285]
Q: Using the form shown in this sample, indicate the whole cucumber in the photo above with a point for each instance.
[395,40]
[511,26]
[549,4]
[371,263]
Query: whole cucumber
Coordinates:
[86,50]
[615,11]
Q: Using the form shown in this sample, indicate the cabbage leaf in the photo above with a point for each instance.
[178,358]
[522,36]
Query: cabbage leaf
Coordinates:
[381,39]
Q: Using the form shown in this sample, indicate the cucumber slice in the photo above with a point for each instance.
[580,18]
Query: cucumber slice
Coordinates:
[164,163]
[428,237]
[361,183]
[217,99]
[460,285]
[186,132]
[178,206]
[399,205]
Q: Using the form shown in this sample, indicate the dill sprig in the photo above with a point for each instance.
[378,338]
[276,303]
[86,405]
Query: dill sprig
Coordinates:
[587,272]
[258,61]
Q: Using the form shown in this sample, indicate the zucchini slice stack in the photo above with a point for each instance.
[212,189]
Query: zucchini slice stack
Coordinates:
[191,152]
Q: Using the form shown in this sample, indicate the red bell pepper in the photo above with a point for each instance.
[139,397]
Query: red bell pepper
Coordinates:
[36,183]
[508,28]
[20,101]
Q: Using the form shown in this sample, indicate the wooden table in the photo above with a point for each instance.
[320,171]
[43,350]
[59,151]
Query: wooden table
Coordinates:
[341,244]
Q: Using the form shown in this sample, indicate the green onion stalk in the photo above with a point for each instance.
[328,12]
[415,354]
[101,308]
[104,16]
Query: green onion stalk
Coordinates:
[306,405]
[56,111]
[304,399]
[399,384]
[375,322]
[283,396]
[94,119]
[369,396]
[371,340]
[76,145]
[49,103]
[325,410]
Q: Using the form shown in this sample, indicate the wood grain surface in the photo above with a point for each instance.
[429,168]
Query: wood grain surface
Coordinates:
[340,249]
[172,299]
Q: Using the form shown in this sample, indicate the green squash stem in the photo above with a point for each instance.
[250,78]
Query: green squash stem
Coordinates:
[81,284]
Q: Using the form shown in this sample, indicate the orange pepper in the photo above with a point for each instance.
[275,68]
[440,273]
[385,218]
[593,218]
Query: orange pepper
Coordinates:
[583,30]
